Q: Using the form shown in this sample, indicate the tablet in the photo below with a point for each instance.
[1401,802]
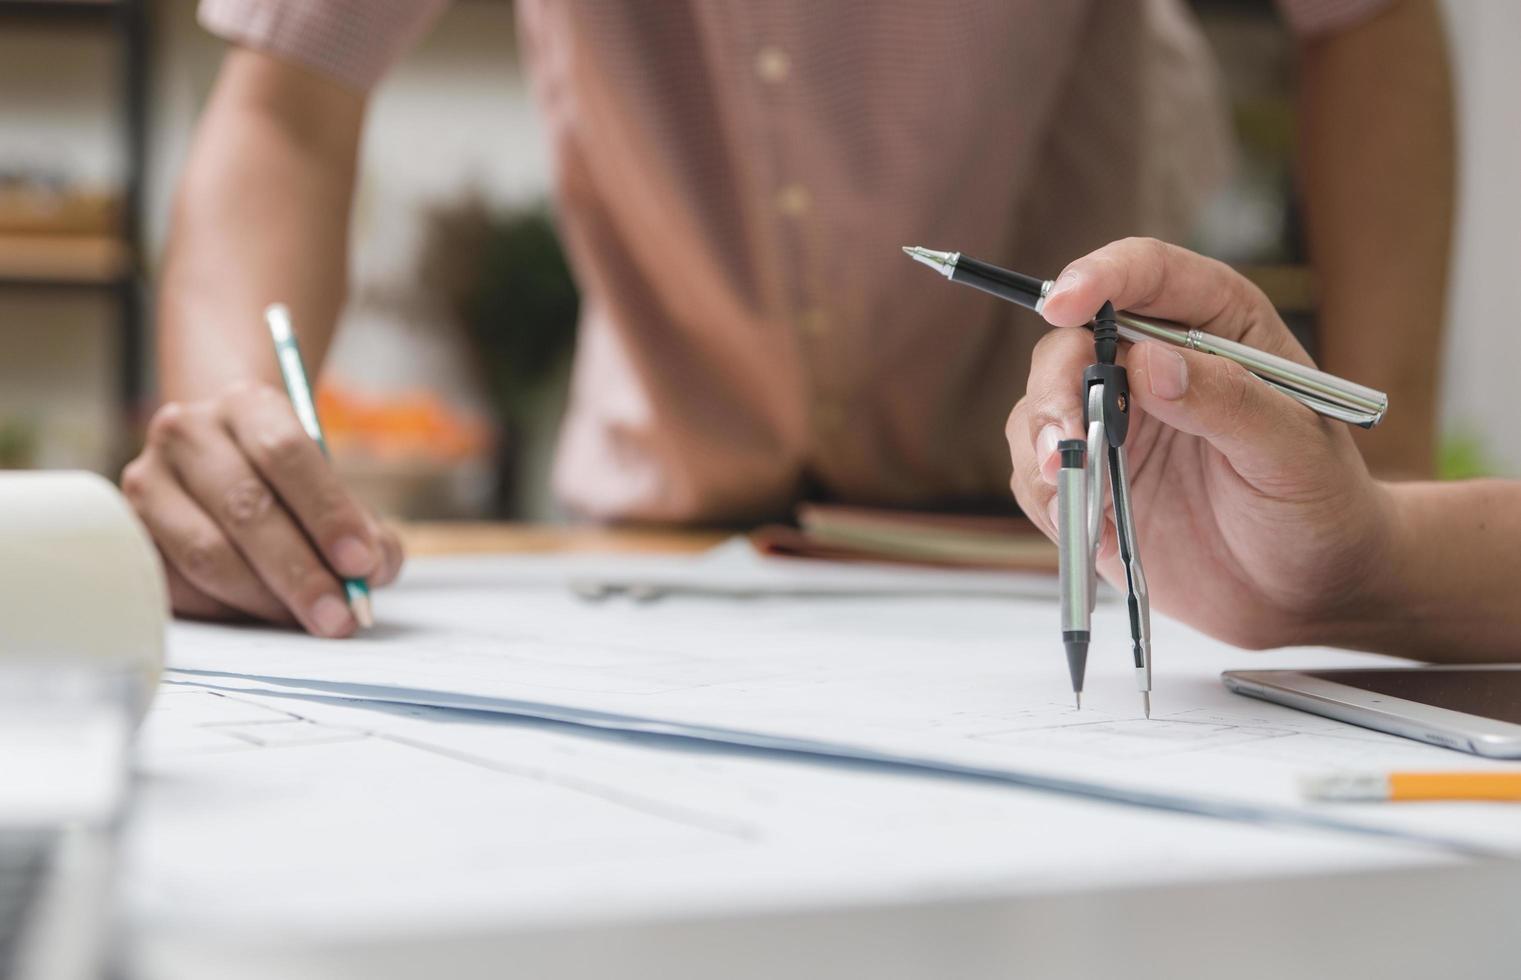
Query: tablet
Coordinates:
[1470,708]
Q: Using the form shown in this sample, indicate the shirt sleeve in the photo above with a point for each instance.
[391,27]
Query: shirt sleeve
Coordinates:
[1312,18]
[351,41]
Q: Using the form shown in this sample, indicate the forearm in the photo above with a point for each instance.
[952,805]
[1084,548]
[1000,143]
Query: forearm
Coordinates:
[1447,588]
[1376,169]
[261,216]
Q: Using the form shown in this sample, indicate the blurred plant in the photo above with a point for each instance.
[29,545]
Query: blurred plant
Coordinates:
[504,277]
[1462,456]
[18,444]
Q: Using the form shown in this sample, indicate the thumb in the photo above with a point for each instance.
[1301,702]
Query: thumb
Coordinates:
[1258,429]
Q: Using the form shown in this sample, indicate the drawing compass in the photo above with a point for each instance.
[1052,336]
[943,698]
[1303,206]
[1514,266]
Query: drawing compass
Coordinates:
[1080,512]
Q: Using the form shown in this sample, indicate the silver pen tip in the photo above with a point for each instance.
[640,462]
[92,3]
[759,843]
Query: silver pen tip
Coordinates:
[1077,699]
[941,262]
[1146,702]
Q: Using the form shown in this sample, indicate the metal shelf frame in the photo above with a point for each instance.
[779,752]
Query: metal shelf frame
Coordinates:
[127,22]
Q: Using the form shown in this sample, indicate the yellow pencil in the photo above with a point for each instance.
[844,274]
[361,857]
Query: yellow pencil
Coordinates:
[1366,787]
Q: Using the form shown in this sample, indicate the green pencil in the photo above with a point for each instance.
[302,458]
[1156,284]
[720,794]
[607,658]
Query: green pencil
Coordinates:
[300,390]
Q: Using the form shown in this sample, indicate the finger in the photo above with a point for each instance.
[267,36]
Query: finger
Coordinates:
[270,436]
[1107,556]
[188,601]
[1146,276]
[1050,411]
[1035,496]
[393,555]
[194,547]
[1264,433]
[191,603]
[213,471]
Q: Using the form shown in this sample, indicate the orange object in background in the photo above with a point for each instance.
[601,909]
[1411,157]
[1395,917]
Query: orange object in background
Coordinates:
[415,425]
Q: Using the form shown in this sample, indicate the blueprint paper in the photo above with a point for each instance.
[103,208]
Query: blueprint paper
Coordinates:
[281,816]
[974,683]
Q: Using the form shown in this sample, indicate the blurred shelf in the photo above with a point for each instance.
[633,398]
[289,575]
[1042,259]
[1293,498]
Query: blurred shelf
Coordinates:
[1290,288]
[39,209]
[58,6]
[105,260]
[44,10]
[64,260]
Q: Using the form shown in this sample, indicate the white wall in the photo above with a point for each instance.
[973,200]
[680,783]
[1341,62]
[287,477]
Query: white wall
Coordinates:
[1484,307]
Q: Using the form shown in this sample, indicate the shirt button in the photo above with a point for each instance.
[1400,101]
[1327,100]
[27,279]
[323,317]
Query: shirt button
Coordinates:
[794,200]
[772,65]
[814,322]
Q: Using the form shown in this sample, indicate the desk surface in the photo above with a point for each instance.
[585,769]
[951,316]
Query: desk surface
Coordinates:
[899,875]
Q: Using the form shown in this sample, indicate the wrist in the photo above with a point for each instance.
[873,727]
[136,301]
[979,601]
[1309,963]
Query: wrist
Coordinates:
[1376,600]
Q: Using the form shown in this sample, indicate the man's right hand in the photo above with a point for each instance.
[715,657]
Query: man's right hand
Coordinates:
[250,517]
[1257,519]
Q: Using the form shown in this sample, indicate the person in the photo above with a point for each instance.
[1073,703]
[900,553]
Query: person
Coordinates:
[734,180]
[1258,520]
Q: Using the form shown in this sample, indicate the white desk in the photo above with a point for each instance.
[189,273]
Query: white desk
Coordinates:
[454,844]
[476,842]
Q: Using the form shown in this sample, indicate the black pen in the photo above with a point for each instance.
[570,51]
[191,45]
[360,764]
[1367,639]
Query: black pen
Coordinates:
[1324,393]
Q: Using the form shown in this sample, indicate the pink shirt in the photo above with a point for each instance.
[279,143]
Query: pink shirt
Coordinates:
[735,179]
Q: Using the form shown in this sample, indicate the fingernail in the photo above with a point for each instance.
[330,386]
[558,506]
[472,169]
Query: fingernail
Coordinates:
[1045,448]
[1167,372]
[330,615]
[352,556]
[1067,280]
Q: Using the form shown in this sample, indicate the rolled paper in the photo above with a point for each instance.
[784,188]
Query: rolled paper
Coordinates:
[81,584]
